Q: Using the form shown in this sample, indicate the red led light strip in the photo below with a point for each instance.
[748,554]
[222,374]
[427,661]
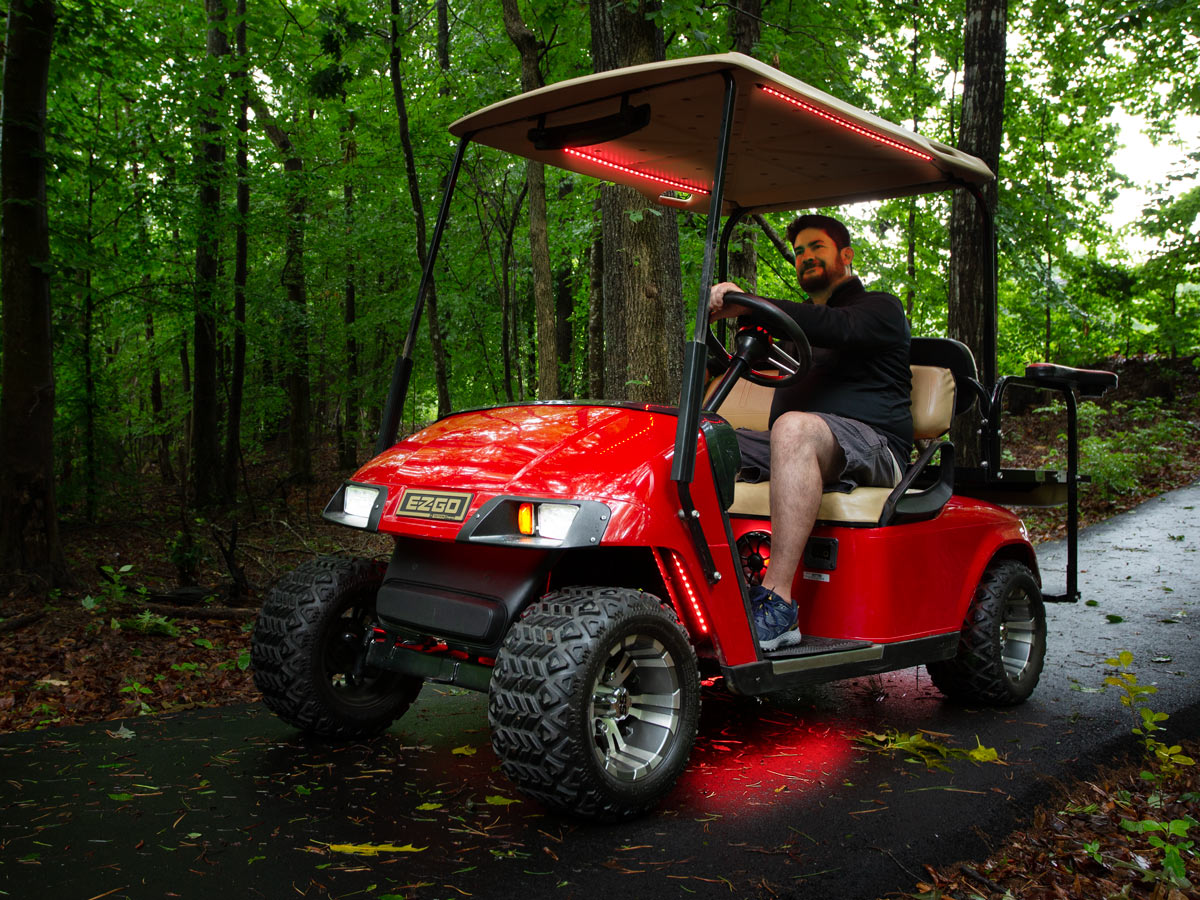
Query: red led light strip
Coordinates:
[845,123]
[693,600]
[669,182]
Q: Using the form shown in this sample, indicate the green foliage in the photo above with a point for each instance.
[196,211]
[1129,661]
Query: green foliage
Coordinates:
[1166,759]
[917,747]
[113,591]
[1118,461]
[130,83]
[137,695]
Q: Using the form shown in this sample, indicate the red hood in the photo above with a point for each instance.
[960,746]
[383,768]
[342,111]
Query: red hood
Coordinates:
[544,449]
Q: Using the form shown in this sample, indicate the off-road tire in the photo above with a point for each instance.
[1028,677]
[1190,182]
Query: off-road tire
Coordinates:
[307,646]
[573,732]
[1003,642]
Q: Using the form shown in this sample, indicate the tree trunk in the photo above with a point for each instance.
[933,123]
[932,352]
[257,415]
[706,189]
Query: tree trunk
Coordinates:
[348,444]
[237,375]
[972,255]
[299,389]
[29,536]
[530,49]
[595,326]
[440,365]
[207,482]
[745,28]
[296,380]
[156,407]
[643,300]
[564,306]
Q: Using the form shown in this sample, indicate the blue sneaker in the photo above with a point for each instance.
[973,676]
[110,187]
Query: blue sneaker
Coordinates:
[774,619]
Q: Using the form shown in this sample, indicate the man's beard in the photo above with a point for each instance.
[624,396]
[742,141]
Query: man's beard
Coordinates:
[819,278]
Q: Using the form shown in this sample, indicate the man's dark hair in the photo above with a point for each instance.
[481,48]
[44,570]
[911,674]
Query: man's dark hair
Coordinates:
[831,226]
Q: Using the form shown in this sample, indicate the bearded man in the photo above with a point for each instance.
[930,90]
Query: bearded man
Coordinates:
[847,423]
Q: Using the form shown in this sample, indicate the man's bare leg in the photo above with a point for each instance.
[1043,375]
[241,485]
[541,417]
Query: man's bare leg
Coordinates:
[804,455]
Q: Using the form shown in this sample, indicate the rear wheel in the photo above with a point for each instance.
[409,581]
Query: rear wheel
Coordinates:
[1003,642]
[308,652]
[594,702]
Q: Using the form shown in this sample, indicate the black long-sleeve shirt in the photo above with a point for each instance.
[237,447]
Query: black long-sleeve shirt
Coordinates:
[860,342]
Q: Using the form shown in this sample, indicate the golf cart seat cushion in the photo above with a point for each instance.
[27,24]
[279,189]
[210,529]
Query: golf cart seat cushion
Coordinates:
[749,406]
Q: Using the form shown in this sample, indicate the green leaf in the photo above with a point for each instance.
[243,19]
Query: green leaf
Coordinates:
[374,849]
[498,800]
[982,754]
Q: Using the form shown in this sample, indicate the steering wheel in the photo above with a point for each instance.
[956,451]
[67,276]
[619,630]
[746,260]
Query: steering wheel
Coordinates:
[779,325]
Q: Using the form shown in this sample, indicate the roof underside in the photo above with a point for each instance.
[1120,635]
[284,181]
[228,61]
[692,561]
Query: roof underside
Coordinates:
[792,145]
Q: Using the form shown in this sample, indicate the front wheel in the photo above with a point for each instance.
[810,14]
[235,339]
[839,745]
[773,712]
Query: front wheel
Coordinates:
[1003,641]
[594,702]
[309,647]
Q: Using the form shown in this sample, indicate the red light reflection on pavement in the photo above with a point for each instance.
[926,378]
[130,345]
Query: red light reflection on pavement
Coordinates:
[750,753]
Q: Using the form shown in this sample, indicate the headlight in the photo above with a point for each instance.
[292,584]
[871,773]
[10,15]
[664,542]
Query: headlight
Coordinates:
[534,523]
[548,520]
[359,500]
[357,505]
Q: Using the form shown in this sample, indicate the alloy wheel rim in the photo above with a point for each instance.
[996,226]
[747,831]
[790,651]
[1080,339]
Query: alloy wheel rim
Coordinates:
[636,708]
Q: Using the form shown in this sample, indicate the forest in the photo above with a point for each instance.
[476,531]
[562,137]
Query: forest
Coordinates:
[238,197]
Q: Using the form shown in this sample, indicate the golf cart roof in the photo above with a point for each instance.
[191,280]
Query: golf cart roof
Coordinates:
[655,127]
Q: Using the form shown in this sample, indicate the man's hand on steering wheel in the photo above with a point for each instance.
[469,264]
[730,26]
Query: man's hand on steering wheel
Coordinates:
[718,308]
[726,300]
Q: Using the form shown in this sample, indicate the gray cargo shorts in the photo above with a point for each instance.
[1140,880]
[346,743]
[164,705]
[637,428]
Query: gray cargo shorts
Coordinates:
[869,460]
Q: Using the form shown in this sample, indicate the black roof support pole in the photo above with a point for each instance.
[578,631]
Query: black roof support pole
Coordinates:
[723,256]
[683,466]
[695,353]
[402,371]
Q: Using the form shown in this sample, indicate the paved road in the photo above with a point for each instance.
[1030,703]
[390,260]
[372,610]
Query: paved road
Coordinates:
[778,800]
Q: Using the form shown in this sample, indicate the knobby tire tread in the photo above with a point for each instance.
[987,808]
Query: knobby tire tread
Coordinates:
[534,723]
[289,631]
[976,674]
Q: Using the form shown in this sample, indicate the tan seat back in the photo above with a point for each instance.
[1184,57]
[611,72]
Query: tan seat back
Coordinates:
[749,405]
[932,401]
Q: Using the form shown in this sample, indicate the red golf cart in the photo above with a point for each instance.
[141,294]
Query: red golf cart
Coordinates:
[587,563]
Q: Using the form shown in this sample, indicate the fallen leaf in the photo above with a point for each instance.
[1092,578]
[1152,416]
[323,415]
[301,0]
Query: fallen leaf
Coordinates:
[374,849]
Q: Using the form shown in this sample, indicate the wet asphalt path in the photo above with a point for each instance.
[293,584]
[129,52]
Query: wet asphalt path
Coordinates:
[778,800]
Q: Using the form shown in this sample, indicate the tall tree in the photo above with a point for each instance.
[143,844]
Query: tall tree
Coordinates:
[241,254]
[745,27]
[539,243]
[208,483]
[972,249]
[29,536]
[296,378]
[440,364]
[643,300]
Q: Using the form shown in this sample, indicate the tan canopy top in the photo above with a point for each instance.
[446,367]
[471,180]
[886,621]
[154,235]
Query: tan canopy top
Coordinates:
[655,128]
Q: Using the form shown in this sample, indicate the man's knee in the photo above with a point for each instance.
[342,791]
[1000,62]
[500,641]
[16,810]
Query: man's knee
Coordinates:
[800,429]
[799,435]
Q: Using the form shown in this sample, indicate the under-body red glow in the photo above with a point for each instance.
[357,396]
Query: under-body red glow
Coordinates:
[756,757]
[844,123]
[629,170]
